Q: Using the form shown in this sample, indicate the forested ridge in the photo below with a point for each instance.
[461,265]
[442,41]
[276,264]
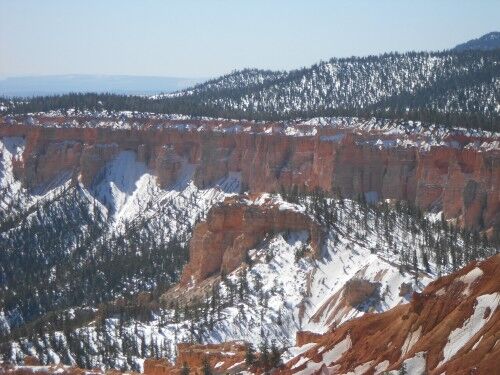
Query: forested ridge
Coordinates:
[451,87]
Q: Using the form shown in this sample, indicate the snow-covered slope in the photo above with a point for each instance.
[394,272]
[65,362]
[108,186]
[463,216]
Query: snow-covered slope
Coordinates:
[449,328]
[88,253]
[272,300]
[62,231]
[448,82]
[251,77]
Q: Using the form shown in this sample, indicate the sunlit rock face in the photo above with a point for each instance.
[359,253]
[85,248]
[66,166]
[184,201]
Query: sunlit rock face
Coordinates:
[220,243]
[458,175]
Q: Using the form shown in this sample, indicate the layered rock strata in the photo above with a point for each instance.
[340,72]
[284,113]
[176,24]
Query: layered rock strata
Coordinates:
[458,175]
[221,242]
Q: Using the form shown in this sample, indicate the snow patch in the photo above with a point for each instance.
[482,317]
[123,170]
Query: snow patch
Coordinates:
[300,362]
[333,355]
[361,369]
[311,367]
[416,365]
[381,367]
[121,178]
[411,340]
[477,343]
[470,277]
[297,350]
[461,336]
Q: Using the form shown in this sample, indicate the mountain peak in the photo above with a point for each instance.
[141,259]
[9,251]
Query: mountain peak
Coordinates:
[486,42]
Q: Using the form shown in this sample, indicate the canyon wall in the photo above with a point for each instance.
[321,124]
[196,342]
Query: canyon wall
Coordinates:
[462,182]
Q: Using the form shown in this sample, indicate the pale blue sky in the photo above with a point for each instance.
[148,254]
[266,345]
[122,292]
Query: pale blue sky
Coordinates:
[202,38]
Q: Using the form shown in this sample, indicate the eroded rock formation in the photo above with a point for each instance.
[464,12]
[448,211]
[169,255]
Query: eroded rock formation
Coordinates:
[456,176]
[452,327]
[159,367]
[356,291]
[220,243]
[219,357]
[353,295]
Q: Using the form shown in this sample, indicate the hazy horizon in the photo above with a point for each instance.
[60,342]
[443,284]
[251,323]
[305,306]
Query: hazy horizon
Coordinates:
[27,86]
[197,39]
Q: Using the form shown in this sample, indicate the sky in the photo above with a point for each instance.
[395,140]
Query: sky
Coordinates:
[206,38]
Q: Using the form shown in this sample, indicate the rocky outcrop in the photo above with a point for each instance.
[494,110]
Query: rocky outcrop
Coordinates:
[220,357]
[405,289]
[224,358]
[159,367]
[220,243]
[452,327]
[306,337]
[29,360]
[356,294]
[356,291]
[462,181]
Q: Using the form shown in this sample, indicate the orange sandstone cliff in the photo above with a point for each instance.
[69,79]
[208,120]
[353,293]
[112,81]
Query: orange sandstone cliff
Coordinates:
[220,243]
[460,180]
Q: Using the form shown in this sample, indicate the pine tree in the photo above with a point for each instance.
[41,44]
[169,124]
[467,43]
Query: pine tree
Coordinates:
[275,356]
[249,354]
[415,267]
[264,354]
[206,369]
[185,369]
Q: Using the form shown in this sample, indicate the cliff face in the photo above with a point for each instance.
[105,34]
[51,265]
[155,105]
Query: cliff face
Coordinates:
[227,357]
[451,327]
[220,243]
[463,182]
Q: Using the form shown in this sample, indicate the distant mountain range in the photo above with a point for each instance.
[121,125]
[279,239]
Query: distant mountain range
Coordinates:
[116,84]
[486,42]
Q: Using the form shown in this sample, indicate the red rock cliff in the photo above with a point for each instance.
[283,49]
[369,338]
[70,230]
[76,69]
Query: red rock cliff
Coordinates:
[220,243]
[464,183]
[452,327]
